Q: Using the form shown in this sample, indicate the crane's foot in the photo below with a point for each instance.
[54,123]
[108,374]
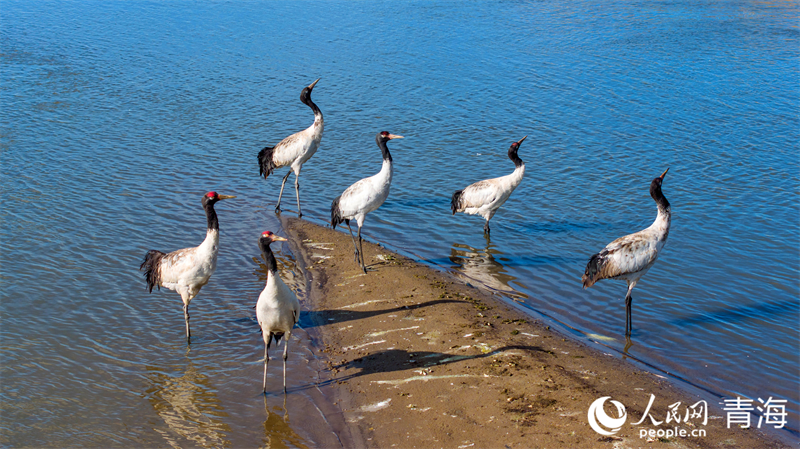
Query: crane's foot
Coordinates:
[278,209]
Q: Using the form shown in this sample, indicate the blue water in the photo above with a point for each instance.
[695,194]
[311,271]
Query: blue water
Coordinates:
[116,117]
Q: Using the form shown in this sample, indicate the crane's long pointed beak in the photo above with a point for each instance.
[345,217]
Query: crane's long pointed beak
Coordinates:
[311,86]
[664,174]
[520,140]
[277,238]
[394,136]
[226,197]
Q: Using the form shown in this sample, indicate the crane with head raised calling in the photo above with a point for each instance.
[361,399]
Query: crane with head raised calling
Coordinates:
[294,150]
[629,258]
[485,197]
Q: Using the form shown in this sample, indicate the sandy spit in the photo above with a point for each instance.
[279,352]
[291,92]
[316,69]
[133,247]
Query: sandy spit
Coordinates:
[421,360]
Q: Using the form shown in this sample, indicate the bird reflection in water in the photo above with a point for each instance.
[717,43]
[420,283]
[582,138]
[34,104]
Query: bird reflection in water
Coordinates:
[481,266]
[187,405]
[277,431]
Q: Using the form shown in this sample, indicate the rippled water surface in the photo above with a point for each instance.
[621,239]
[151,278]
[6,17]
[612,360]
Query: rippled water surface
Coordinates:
[116,117]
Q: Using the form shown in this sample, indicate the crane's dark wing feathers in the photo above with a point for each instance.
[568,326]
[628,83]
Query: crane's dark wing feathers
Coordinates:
[594,269]
[455,202]
[265,163]
[336,213]
[152,269]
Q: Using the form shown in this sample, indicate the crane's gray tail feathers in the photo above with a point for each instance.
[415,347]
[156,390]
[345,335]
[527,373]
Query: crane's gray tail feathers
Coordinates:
[277,336]
[454,202]
[152,269]
[593,269]
[265,163]
[336,213]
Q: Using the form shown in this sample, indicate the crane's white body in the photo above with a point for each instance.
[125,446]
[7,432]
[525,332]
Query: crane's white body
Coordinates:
[629,258]
[277,311]
[485,197]
[366,195]
[298,148]
[188,270]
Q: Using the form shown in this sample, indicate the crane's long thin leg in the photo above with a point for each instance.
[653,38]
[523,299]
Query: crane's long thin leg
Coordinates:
[361,250]
[486,228]
[297,191]
[266,359]
[628,300]
[354,240]
[186,318]
[280,195]
[285,356]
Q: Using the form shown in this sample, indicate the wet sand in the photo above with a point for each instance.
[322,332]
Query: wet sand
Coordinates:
[424,360]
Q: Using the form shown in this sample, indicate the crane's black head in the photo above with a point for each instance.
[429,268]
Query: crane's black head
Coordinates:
[515,146]
[512,152]
[268,237]
[655,191]
[385,136]
[655,185]
[213,197]
[305,95]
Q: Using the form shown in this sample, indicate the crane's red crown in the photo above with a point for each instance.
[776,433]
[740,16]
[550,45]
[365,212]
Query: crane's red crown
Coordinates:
[385,133]
[211,194]
[266,234]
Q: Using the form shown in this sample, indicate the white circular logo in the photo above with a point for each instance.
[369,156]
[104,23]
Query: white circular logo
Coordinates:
[598,417]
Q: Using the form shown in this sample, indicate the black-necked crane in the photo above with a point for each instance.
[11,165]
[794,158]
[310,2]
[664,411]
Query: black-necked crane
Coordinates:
[485,197]
[277,309]
[364,196]
[628,258]
[294,150]
[187,270]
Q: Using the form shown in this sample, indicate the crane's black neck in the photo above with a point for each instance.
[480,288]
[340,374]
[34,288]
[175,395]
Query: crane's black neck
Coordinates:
[211,215]
[306,98]
[512,154]
[266,251]
[658,196]
[387,156]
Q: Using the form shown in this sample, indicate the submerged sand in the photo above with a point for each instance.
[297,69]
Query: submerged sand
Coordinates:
[423,360]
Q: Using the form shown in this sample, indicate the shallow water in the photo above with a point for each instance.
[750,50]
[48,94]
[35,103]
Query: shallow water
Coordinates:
[117,117]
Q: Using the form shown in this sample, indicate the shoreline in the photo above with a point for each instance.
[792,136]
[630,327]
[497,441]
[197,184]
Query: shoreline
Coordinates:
[487,376]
